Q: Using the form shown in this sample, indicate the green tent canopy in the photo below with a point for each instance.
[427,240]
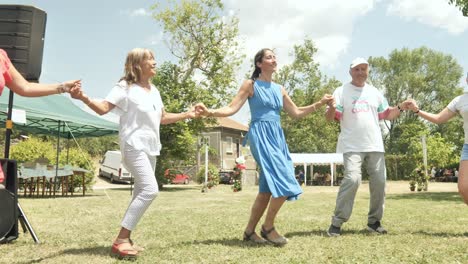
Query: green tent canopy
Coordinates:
[44,115]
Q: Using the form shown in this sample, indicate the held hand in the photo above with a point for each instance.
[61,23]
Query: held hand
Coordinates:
[69,85]
[192,113]
[326,99]
[332,103]
[410,104]
[77,93]
[405,105]
[201,110]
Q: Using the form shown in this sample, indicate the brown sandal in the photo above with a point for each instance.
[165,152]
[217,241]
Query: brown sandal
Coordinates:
[250,237]
[122,249]
[279,241]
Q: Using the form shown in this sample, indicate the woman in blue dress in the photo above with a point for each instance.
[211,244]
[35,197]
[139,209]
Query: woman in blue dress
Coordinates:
[277,182]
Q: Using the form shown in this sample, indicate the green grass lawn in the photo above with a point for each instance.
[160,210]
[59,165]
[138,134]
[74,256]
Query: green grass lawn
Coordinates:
[184,225]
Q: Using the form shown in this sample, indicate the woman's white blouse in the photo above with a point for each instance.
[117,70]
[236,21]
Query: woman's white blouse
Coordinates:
[140,114]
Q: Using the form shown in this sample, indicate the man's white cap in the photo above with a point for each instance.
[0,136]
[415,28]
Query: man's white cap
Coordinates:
[357,61]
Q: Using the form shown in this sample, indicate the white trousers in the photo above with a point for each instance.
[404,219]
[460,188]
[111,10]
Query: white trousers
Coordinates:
[142,167]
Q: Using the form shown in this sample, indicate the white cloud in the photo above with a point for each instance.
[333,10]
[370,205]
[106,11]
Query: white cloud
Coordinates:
[140,12]
[282,24]
[435,13]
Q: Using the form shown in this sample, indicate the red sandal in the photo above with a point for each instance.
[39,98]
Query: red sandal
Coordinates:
[122,249]
[136,246]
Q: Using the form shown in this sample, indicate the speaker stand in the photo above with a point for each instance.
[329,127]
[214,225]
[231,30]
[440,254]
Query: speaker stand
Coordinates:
[26,225]
[9,125]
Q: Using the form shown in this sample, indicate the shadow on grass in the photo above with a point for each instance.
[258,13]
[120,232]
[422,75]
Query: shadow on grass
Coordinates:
[440,234]
[439,196]
[101,250]
[323,233]
[58,196]
[178,188]
[231,242]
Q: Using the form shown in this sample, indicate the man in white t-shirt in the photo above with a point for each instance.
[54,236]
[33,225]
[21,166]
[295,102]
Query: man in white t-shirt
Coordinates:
[359,107]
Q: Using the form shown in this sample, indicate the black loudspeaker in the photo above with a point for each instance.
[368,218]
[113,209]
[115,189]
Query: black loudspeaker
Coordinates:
[8,202]
[22,32]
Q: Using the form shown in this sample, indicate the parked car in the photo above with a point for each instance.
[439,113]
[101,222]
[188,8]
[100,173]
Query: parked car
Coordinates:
[111,167]
[176,176]
[226,177]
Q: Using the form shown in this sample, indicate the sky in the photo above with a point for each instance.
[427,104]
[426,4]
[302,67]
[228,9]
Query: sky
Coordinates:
[89,40]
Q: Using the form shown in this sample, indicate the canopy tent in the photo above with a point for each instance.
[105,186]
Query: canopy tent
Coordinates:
[53,114]
[317,159]
[45,114]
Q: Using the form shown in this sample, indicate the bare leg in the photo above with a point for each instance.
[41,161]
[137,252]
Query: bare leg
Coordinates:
[258,208]
[273,209]
[463,180]
[124,233]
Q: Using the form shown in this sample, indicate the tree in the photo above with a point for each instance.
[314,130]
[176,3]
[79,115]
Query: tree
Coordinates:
[430,77]
[303,80]
[461,4]
[205,44]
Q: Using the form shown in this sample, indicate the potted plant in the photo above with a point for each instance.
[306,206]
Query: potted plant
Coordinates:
[412,184]
[238,171]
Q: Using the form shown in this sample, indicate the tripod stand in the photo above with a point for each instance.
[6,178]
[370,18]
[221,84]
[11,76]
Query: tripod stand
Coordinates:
[21,215]
[25,224]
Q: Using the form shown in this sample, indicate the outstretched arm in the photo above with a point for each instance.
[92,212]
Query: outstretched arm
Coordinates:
[299,112]
[393,112]
[169,118]
[21,86]
[440,118]
[100,107]
[237,102]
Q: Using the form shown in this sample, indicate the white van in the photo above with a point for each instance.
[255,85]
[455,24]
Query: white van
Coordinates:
[112,168]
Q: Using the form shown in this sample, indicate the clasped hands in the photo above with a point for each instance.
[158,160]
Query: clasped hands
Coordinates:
[409,104]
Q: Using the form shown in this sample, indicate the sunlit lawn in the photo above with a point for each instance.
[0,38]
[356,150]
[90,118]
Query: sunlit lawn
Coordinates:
[186,226]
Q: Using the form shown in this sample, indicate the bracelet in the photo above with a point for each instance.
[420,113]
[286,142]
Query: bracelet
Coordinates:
[401,110]
[89,101]
[61,88]
[416,112]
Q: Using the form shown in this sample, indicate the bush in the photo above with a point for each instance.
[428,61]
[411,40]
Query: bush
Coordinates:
[81,159]
[33,148]
[213,177]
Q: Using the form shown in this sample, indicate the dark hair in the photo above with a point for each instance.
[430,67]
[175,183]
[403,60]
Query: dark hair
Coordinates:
[258,58]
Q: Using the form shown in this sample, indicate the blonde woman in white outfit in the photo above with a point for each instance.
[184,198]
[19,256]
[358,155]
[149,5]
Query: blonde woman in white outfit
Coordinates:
[138,103]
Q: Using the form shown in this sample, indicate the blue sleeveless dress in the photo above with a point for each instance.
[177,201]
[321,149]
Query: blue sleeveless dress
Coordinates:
[268,144]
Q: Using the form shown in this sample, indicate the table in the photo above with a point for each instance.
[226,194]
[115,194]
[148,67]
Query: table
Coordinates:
[47,175]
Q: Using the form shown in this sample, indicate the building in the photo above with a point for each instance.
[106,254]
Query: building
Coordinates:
[225,139]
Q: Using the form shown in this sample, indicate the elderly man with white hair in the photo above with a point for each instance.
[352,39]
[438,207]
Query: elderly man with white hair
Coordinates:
[359,107]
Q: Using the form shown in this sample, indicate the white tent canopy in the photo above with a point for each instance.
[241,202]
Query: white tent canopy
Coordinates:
[317,159]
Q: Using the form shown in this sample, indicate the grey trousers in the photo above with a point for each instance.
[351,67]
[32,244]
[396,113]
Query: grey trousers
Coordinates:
[353,162]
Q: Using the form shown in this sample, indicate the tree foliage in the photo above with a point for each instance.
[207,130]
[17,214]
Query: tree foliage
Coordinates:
[461,4]
[432,79]
[204,43]
[428,76]
[303,80]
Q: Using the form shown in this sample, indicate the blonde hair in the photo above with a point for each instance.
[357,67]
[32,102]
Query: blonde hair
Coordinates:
[132,71]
